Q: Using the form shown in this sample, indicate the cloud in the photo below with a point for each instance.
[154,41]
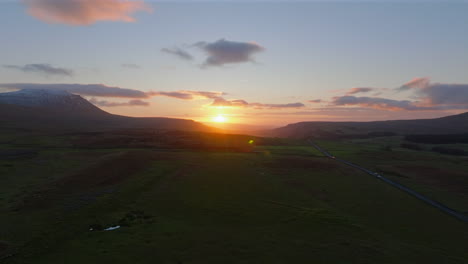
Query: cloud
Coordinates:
[346,114]
[131,66]
[223,52]
[100,90]
[104,103]
[438,94]
[178,95]
[221,102]
[189,95]
[359,90]
[429,96]
[84,12]
[377,103]
[208,95]
[393,105]
[316,101]
[446,94]
[415,83]
[277,106]
[41,68]
[178,52]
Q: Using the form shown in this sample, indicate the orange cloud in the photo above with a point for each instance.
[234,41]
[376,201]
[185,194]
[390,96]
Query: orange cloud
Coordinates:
[84,12]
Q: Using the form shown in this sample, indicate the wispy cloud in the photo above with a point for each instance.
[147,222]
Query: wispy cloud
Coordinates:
[178,95]
[223,52]
[104,103]
[359,90]
[84,12]
[277,106]
[221,102]
[41,68]
[208,95]
[376,102]
[420,83]
[316,101]
[188,95]
[178,52]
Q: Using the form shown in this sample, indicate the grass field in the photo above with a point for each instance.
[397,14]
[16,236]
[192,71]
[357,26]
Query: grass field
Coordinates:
[440,177]
[244,203]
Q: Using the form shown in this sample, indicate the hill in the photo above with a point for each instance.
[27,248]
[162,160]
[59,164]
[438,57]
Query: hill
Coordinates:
[454,124]
[60,110]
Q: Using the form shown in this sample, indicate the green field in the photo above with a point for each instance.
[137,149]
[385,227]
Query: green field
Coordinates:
[230,201]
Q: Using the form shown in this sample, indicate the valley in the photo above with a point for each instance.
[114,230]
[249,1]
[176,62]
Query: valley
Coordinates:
[206,198]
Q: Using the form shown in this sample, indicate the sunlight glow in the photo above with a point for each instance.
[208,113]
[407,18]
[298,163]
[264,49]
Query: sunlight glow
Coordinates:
[219,119]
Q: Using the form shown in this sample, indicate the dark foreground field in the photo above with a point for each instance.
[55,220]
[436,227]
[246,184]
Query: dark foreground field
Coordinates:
[205,198]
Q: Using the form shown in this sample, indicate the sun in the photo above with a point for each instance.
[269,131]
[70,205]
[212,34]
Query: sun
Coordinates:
[219,119]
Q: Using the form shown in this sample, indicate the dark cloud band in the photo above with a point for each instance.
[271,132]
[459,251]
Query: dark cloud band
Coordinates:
[223,52]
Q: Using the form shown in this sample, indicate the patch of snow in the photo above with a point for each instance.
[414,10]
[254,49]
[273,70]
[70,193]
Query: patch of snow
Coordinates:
[46,98]
[112,228]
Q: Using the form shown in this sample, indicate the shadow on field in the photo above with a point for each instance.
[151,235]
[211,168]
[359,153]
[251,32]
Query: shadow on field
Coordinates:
[92,181]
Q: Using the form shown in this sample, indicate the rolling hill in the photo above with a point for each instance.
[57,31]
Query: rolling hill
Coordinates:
[454,124]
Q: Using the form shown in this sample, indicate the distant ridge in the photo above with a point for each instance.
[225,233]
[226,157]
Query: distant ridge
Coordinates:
[454,124]
[61,110]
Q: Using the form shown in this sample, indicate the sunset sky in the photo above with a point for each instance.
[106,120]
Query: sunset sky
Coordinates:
[252,62]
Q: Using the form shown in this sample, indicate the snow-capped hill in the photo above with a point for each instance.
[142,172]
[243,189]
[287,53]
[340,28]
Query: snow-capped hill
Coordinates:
[59,99]
[44,109]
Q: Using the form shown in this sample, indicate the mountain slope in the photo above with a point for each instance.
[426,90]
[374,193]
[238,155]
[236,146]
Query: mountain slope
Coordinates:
[445,125]
[51,109]
[61,100]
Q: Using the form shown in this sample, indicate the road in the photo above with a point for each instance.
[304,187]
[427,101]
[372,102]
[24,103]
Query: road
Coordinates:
[415,194]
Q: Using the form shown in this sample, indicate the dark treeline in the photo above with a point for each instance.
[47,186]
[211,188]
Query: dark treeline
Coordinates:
[438,139]
[382,134]
[450,151]
[338,134]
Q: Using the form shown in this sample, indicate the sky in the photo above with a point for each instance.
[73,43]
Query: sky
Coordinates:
[253,62]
